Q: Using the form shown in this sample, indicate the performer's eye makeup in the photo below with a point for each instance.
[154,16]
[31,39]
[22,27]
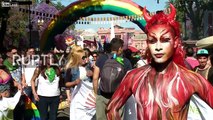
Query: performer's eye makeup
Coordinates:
[152,41]
[166,39]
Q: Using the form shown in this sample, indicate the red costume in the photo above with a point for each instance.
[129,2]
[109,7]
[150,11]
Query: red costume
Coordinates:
[161,93]
[160,96]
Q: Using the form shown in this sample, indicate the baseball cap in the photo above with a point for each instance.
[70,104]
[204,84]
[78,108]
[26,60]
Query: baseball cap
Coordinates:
[202,52]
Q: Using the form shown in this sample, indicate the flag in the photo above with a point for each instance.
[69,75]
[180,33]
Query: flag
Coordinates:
[100,46]
[31,111]
[95,42]
[125,39]
[106,39]
[112,34]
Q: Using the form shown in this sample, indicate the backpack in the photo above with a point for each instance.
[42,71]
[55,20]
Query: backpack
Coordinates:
[111,75]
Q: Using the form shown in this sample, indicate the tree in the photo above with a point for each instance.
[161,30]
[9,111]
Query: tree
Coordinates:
[3,19]
[17,24]
[58,5]
[13,24]
[194,10]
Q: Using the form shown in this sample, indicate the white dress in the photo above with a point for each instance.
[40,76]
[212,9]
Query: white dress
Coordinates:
[82,105]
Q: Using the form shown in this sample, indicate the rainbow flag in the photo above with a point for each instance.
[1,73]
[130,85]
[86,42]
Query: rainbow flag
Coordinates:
[31,111]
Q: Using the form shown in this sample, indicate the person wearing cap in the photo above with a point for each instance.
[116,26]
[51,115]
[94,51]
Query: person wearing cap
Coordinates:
[203,68]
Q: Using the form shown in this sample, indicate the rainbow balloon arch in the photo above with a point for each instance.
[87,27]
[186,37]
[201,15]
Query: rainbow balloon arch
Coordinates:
[83,8]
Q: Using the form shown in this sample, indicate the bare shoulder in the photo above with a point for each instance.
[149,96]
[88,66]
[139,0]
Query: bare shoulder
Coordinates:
[37,71]
[140,69]
[189,74]
[135,76]
[136,73]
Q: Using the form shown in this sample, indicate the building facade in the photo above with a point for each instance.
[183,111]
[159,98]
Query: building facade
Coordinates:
[131,36]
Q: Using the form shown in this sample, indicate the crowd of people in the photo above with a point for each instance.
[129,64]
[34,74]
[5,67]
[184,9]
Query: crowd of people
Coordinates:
[151,84]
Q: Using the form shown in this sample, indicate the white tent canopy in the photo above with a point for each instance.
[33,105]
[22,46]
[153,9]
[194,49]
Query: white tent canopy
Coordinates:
[205,42]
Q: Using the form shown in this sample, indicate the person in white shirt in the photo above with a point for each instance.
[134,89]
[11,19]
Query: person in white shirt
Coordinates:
[7,103]
[47,94]
[143,60]
[27,72]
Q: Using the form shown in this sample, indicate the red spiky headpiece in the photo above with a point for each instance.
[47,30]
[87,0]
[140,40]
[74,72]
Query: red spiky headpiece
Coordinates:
[162,18]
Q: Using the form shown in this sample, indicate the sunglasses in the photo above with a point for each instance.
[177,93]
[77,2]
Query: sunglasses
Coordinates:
[84,57]
[95,56]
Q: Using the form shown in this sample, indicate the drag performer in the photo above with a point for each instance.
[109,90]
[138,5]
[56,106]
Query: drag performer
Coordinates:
[162,88]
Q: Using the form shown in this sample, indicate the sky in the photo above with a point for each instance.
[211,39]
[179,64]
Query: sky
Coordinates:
[151,6]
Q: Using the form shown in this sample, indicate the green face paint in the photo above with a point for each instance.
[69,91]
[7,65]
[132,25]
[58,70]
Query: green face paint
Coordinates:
[50,73]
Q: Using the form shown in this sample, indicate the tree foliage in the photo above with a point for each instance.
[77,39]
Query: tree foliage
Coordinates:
[59,6]
[194,10]
[17,23]
[3,21]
